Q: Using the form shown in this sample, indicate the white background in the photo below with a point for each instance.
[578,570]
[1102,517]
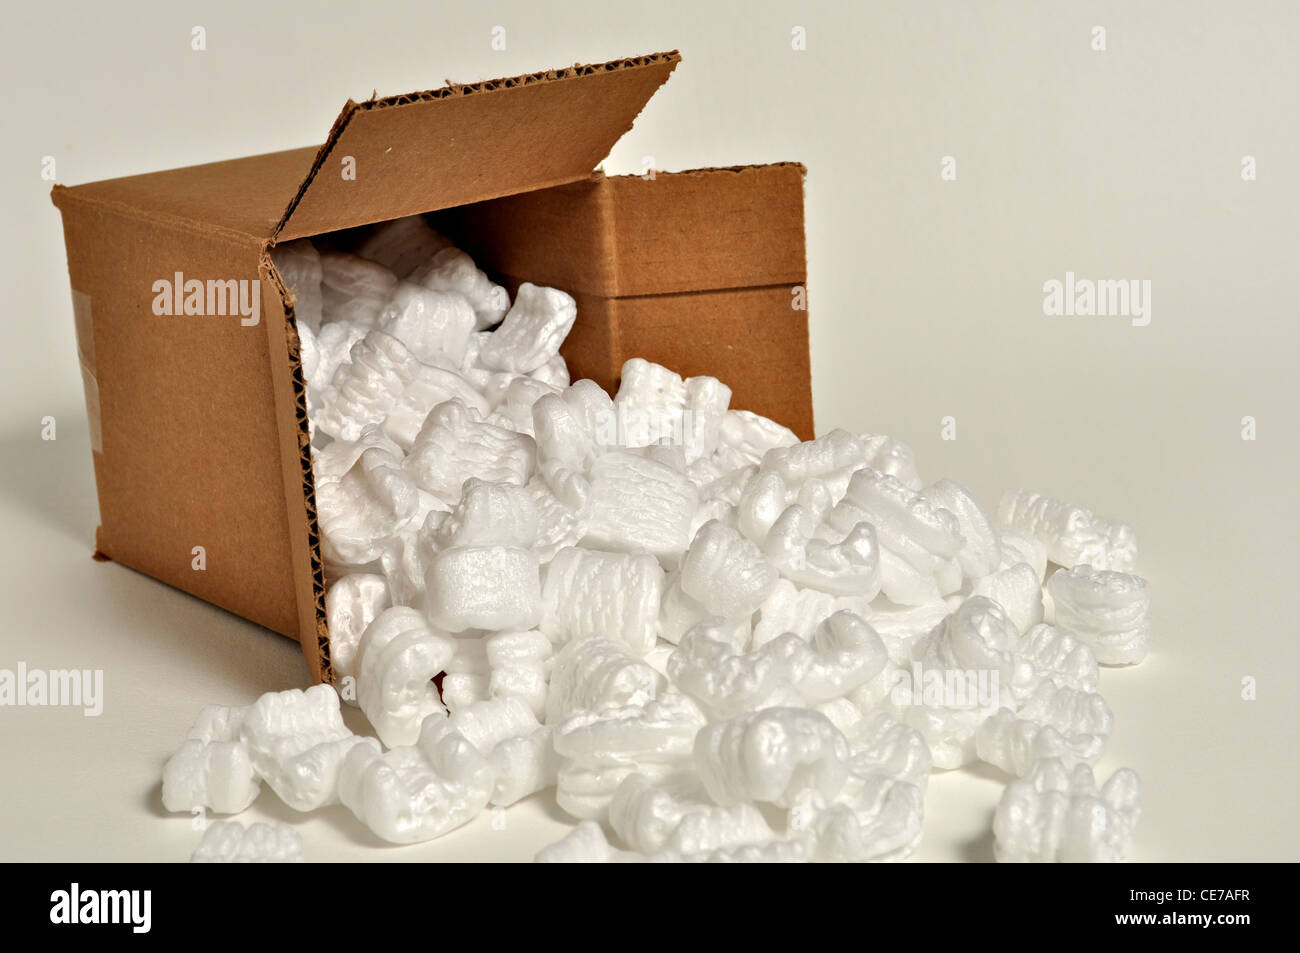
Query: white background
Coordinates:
[926,301]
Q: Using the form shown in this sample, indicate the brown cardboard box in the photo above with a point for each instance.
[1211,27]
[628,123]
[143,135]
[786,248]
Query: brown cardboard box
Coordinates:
[198,420]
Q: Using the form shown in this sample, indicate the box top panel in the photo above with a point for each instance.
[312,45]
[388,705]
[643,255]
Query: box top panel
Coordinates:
[400,155]
[245,196]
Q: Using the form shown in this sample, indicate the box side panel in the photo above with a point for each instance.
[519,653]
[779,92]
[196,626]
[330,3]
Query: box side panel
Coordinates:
[751,339]
[190,453]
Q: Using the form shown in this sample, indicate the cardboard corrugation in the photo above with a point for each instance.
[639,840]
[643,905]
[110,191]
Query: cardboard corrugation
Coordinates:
[300,484]
[203,422]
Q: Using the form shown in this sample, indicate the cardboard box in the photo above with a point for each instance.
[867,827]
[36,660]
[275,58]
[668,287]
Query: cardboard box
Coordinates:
[190,354]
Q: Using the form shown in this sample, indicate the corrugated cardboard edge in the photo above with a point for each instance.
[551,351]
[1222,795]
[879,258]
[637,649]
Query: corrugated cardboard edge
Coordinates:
[705,171]
[300,483]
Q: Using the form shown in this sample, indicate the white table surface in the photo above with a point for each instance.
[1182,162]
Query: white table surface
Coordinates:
[1218,772]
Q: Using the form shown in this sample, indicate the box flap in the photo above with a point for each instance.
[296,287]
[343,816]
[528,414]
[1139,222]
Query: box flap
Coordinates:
[401,155]
[243,196]
[411,153]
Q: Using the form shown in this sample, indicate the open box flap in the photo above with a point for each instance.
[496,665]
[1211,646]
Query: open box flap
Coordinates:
[412,153]
[402,155]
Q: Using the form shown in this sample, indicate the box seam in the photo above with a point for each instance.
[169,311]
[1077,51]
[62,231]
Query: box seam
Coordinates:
[609,253]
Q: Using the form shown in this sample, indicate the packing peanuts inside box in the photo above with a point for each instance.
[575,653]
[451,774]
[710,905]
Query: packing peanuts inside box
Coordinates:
[198,420]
